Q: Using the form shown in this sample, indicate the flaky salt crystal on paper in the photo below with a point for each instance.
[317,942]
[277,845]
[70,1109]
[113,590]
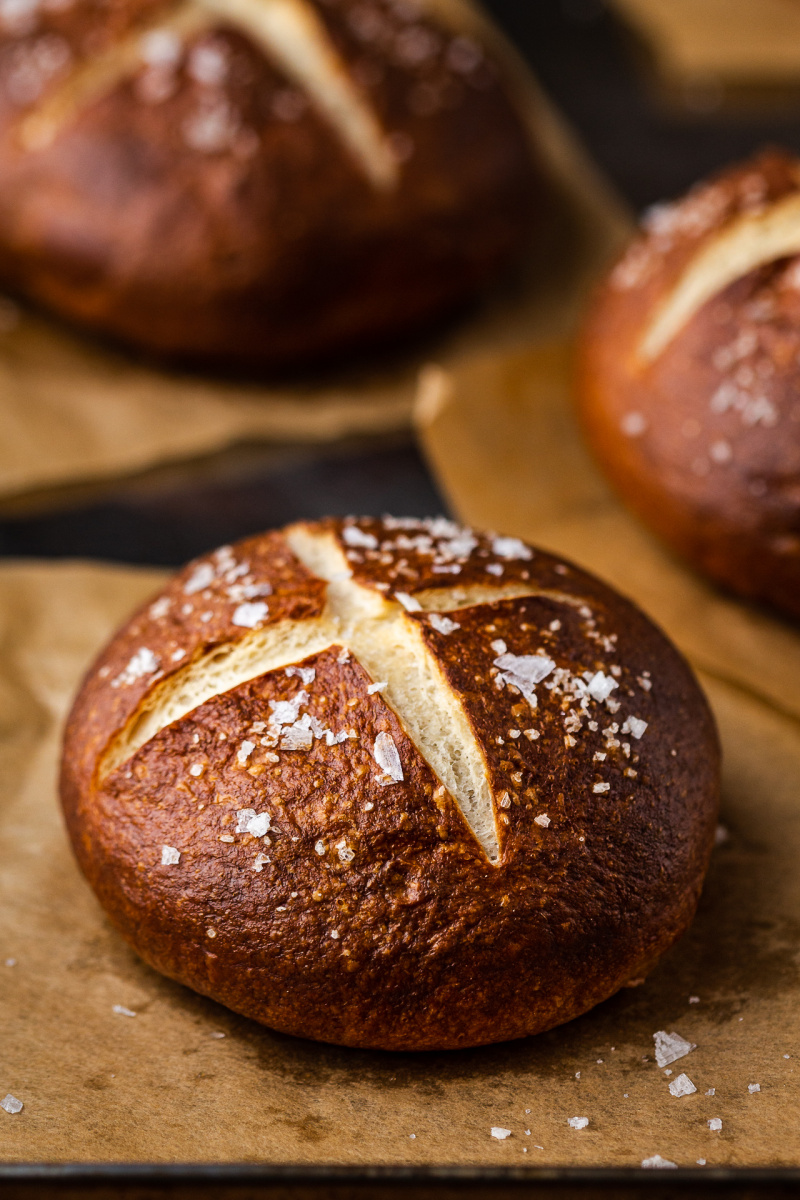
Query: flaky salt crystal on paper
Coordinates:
[657,1161]
[578,1122]
[11,1104]
[682,1086]
[499,1133]
[670,1047]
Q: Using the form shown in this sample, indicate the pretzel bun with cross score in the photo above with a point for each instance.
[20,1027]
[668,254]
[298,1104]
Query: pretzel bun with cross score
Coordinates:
[259,183]
[689,380]
[392,783]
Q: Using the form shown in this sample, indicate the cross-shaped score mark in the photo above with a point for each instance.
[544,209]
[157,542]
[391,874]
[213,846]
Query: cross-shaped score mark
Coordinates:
[378,633]
[289,32]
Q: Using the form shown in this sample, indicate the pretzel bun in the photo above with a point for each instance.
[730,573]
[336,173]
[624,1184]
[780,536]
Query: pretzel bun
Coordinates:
[689,377]
[393,784]
[256,182]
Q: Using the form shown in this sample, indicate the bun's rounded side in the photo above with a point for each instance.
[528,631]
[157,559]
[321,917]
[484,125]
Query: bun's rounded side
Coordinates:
[689,378]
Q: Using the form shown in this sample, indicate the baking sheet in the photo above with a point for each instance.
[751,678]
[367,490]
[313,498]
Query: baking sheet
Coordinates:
[99,1086]
[74,413]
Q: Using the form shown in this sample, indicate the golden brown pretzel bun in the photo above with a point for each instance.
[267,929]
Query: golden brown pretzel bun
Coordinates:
[689,377]
[459,793]
[257,182]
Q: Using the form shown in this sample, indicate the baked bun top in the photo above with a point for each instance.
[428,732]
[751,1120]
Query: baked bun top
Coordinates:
[690,375]
[255,179]
[398,761]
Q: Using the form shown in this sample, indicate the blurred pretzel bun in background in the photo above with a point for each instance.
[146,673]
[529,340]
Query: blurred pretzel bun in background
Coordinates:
[260,183]
[689,377]
[392,783]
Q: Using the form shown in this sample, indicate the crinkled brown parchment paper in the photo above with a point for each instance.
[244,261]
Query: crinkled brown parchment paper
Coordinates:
[163,1085]
[72,413]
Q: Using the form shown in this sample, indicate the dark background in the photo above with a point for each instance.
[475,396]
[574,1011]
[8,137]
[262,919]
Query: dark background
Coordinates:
[649,146]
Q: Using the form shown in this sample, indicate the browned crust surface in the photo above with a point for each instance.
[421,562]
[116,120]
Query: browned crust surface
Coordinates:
[704,441]
[375,918]
[189,219]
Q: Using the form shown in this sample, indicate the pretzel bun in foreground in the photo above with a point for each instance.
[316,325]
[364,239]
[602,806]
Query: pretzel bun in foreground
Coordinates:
[392,783]
[258,183]
[689,377]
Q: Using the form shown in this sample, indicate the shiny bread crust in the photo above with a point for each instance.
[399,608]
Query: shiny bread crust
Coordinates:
[369,914]
[206,210]
[703,439]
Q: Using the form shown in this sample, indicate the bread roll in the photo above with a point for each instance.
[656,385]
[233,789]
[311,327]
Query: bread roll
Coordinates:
[689,379]
[261,183]
[393,784]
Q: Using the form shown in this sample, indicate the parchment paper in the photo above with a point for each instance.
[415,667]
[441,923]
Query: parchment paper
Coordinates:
[72,412]
[734,42]
[162,1085]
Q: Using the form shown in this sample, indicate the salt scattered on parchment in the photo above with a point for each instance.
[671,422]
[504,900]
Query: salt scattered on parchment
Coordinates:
[11,1104]
[578,1122]
[498,1132]
[122,1011]
[682,1086]
[715,1124]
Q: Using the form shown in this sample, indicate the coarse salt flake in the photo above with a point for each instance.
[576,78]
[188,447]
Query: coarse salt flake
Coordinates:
[753,1087]
[259,861]
[578,1122]
[353,536]
[11,1104]
[306,675]
[377,687]
[144,662]
[442,624]
[387,757]
[250,614]
[201,578]
[494,569]
[524,672]
[196,769]
[601,787]
[122,1011]
[633,424]
[498,1132]
[600,686]
[670,1047]
[244,752]
[681,1086]
[285,712]
[657,1161]
[408,602]
[542,820]
[319,847]
[715,1124]
[635,726]
[249,821]
[344,851]
[511,547]
[170,857]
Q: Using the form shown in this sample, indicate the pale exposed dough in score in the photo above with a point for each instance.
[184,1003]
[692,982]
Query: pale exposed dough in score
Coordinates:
[293,36]
[289,32]
[748,242]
